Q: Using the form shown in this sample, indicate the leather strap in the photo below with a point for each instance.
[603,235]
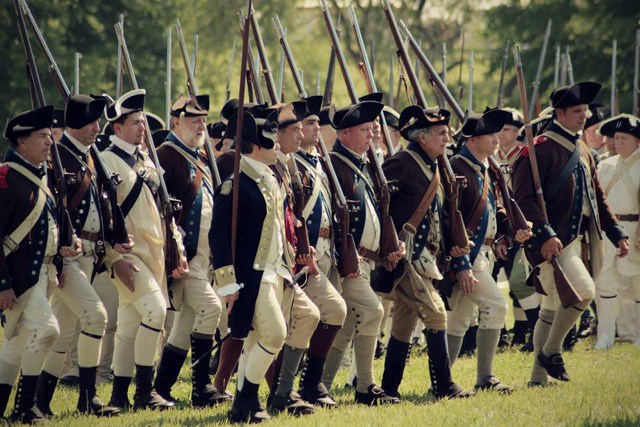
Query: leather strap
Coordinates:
[368,253]
[424,204]
[85,184]
[91,237]
[40,182]
[474,220]
[629,217]
[195,163]
[553,186]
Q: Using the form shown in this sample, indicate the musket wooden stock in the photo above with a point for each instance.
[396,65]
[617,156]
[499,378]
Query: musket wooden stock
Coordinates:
[389,238]
[566,292]
[347,252]
[451,183]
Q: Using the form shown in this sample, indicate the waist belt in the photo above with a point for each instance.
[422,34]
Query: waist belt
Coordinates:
[488,242]
[584,224]
[92,237]
[325,233]
[368,253]
[628,217]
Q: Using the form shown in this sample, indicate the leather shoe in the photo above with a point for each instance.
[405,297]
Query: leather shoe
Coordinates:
[554,365]
[318,396]
[293,404]
[491,383]
[375,396]
[247,410]
[96,407]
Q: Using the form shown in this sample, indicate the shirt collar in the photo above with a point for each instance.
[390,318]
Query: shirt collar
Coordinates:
[356,158]
[311,158]
[13,156]
[176,140]
[123,145]
[259,167]
[464,151]
[571,136]
[81,148]
[417,149]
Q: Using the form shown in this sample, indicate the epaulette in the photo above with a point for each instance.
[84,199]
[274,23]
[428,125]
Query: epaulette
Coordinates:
[3,176]
[537,141]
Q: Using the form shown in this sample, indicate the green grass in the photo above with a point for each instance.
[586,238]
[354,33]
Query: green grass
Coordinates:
[605,390]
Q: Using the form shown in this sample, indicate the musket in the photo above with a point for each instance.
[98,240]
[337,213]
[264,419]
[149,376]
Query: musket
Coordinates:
[280,87]
[37,101]
[566,292]
[460,87]
[636,72]
[317,83]
[502,71]
[327,98]
[556,67]
[444,67]
[516,219]
[346,248]
[417,65]
[372,50]
[369,78]
[251,65]
[450,182]
[470,80]
[76,80]
[194,56]
[262,56]
[569,66]
[227,89]
[119,79]
[543,53]
[168,82]
[107,182]
[302,234]
[614,65]
[192,86]
[389,238]
[563,70]
[245,58]
[390,100]
[168,205]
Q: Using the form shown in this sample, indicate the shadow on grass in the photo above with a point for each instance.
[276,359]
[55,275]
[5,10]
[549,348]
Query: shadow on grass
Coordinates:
[623,420]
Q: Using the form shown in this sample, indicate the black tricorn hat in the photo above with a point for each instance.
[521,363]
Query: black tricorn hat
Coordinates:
[155,122]
[28,121]
[84,109]
[491,121]
[599,113]
[261,132]
[325,114]
[216,129]
[228,109]
[392,117]
[290,113]
[130,102]
[354,115]
[58,118]
[191,107]
[373,96]
[516,118]
[415,117]
[314,105]
[159,137]
[625,123]
[578,94]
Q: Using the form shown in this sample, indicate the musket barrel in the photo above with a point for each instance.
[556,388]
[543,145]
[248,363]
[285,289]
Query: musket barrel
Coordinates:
[543,53]
[636,72]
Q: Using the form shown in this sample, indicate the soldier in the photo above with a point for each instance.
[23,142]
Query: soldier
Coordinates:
[76,300]
[29,232]
[620,177]
[319,287]
[57,127]
[192,296]
[485,221]
[591,136]
[354,126]
[576,207]
[263,262]
[417,211]
[140,275]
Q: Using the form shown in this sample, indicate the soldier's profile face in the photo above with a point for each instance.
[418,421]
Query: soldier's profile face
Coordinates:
[625,144]
[310,131]
[133,129]
[192,130]
[485,145]
[434,140]
[290,138]
[358,138]
[35,146]
[86,135]
[57,133]
[508,135]
[573,118]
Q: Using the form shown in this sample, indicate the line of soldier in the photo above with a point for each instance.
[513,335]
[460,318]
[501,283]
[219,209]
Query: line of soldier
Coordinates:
[278,302]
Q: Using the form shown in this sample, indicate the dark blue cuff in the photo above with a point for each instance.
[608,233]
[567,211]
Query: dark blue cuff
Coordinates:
[5,283]
[615,233]
[460,263]
[542,232]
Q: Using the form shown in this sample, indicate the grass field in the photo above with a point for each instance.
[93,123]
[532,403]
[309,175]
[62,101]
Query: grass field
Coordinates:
[605,390]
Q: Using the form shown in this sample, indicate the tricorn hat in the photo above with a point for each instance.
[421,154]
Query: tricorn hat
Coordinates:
[58,118]
[314,105]
[416,117]
[354,115]
[28,121]
[625,123]
[578,94]
[290,113]
[491,121]
[130,102]
[599,113]
[191,107]
[84,109]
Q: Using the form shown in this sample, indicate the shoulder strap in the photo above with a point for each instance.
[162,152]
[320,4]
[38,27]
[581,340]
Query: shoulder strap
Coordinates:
[41,183]
[86,179]
[355,169]
[196,164]
[425,203]
[552,188]
[478,211]
[131,198]
[12,241]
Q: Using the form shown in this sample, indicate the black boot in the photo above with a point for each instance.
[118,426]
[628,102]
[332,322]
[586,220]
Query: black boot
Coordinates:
[394,365]
[520,328]
[44,393]
[170,364]
[469,342]
[24,410]
[5,392]
[203,393]
[88,402]
[570,339]
[312,388]
[532,318]
[246,407]
[442,384]
[505,338]
[120,393]
[145,396]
